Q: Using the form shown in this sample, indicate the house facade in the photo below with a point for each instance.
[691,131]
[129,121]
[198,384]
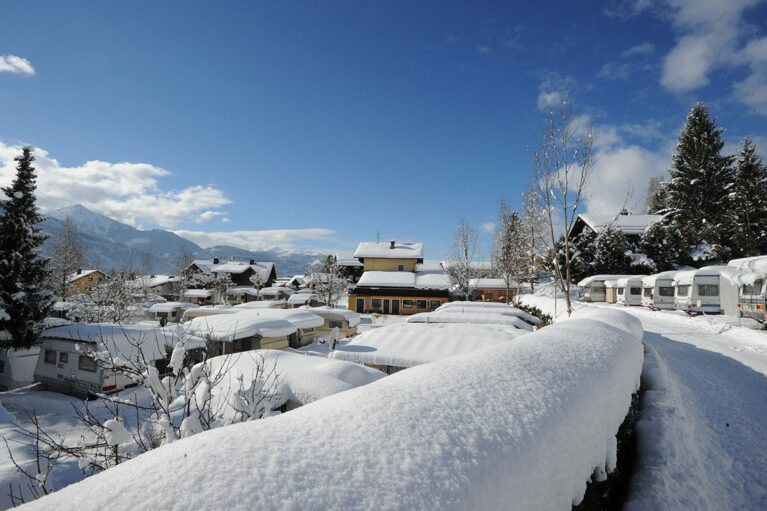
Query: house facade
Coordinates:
[81,282]
[239,271]
[395,280]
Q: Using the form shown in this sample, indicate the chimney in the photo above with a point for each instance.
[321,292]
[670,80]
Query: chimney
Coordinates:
[391,244]
[252,262]
[624,212]
[215,260]
[79,271]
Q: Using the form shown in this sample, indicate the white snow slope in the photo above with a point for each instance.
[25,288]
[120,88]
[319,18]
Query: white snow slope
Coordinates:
[521,425]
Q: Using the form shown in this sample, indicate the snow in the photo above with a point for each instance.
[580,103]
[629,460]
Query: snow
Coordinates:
[758,263]
[301,298]
[115,433]
[246,323]
[300,318]
[299,377]
[525,422]
[482,318]
[198,293]
[352,318]
[427,279]
[634,279]
[628,224]
[600,278]
[410,344]
[487,308]
[383,250]
[649,281]
[151,281]
[83,273]
[171,306]
[494,284]
[264,270]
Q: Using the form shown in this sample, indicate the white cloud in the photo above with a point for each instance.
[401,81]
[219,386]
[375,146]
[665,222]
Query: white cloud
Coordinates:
[615,71]
[687,66]
[553,88]
[16,65]
[488,227]
[645,48]
[257,240]
[128,192]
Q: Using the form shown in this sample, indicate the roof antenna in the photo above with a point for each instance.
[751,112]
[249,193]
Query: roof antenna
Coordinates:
[378,236]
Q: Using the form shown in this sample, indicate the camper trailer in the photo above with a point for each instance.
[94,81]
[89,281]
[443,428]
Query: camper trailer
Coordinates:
[658,291]
[751,296]
[594,287]
[17,367]
[709,290]
[243,331]
[630,290]
[345,320]
[75,359]
[169,312]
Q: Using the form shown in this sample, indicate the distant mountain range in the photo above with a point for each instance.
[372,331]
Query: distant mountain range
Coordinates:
[109,244]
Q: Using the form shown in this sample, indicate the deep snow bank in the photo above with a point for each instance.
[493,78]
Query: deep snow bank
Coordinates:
[521,425]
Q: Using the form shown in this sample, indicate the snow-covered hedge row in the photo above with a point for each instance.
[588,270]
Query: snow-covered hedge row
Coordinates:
[521,425]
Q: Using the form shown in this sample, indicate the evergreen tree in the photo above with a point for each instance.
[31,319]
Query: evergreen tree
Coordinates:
[23,271]
[657,195]
[510,251]
[611,253]
[750,202]
[699,201]
[664,246]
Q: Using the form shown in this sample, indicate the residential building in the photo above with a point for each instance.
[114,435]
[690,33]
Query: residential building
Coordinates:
[81,282]
[240,271]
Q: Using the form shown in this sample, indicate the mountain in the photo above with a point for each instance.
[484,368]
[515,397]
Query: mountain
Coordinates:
[109,244]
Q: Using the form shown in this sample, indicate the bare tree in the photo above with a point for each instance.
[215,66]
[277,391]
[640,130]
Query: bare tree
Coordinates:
[258,282]
[66,258]
[462,257]
[184,259]
[563,161]
[510,258]
[327,280]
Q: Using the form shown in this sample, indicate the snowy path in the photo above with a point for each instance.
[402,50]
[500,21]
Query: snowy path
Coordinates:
[703,427]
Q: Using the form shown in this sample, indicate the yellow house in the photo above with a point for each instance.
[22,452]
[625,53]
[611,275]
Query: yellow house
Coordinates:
[396,281]
[82,281]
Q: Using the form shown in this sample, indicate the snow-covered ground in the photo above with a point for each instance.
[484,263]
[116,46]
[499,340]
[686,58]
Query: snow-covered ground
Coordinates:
[702,428]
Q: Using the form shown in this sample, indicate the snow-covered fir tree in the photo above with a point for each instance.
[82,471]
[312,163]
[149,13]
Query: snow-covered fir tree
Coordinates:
[750,202]
[511,261]
[611,253]
[699,191]
[24,298]
[67,258]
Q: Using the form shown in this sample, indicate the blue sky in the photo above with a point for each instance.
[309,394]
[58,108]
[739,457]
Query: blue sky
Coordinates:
[320,124]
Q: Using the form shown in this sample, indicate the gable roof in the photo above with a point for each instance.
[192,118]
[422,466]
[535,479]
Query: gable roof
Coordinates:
[83,273]
[627,224]
[384,250]
[264,269]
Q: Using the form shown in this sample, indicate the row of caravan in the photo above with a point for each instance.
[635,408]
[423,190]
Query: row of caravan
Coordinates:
[735,289]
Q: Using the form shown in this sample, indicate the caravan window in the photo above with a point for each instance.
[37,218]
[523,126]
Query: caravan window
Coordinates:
[753,289]
[708,290]
[50,357]
[647,292]
[682,290]
[335,324]
[63,357]
[621,290]
[635,291]
[666,291]
[86,364]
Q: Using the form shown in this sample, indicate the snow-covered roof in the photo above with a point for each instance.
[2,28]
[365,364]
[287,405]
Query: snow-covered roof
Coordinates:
[171,306]
[627,224]
[755,263]
[751,278]
[130,342]
[198,293]
[427,279]
[481,318]
[301,298]
[634,279]
[487,308]
[650,280]
[262,304]
[728,273]
[384,250]
[411,344]
[150,281]
[83,273]
[491,284]
[197,312]
[246,323]
[520,424]
[274,291]
[242,290]
[300,377]
[300,318]
[264,269]
[332,312]
[599,279]
[346,259]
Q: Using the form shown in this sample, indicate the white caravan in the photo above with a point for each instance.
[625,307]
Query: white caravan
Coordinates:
[630,290]
[658,291]
[709,290]
[594,286]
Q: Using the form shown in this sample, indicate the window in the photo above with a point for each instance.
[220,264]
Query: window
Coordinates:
[708,290]
[375,303]
[420,304]
[434,304]
[2,366]
[335,324]
[621,290]
[50,357]
[753,289]
[683,290]
[63,357]
[86,364]
[647,292]
[666,291]
[407,304]
[635,291]
[400,267]
[246,344]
